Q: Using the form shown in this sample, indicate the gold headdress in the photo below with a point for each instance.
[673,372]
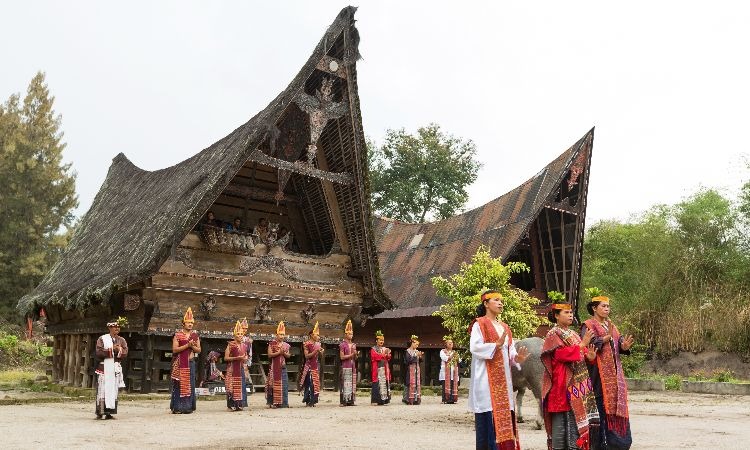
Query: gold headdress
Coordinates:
[490,295]
[349,328]
[596,294]
[238,331]
[188,317]
[561,306]
[281,329]
[316,329]
[244,325]
[414,337]
[379,334]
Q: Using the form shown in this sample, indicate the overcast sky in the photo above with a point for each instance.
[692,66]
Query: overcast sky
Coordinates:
[665,83]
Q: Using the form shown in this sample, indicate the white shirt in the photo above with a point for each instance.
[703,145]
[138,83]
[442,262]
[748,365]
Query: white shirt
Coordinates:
[479,391]
[444,358]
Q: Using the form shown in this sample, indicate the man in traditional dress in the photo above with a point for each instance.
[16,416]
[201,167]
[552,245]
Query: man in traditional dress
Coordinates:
[607,378]
[277,384]
[310,379]
[111,349]
[348,354]
[491,396]
[449,371]
[185,344]
[381,372]
[235,356]
[567,398]
[413,375]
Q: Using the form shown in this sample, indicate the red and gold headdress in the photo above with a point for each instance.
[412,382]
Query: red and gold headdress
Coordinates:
[188,317]
[281,329]
[238,331]
[349,328]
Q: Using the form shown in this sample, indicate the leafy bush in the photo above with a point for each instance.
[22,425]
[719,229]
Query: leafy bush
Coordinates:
[632,364]
[15,352]
[463,291]
[673,382]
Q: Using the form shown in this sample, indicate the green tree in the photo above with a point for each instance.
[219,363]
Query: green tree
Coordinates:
[678,275]
[463,293]
[38,192]
[414,178]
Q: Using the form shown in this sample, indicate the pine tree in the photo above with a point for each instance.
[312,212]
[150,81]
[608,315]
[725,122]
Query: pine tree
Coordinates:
[37,192]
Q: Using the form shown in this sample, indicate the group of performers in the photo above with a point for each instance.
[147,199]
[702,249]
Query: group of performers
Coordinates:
[584,395]
[583,390]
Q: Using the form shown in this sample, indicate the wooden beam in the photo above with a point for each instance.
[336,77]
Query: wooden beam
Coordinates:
[536,257]
[256,193]
[333,205]
[562,251]
[551,250]
[87,361]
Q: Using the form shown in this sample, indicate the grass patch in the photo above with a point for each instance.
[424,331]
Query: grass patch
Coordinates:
[18,377]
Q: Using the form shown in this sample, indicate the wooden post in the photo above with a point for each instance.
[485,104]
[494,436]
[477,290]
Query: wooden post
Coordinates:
[87,349]
[70,376]
[77,381]
[64,358]
[148,357]
[56,341]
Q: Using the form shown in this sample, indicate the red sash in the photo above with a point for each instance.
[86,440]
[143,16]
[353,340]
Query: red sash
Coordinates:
[233,380]
[614,387]
[181,364]
[506,434]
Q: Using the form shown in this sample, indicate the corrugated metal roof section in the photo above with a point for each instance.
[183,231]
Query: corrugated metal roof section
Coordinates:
[409,263]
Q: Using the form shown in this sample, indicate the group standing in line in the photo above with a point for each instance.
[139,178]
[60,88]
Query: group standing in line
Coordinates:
[584,395]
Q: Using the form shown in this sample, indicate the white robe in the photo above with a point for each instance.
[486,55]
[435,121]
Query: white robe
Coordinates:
[110,381]
[444,359]
[479,390]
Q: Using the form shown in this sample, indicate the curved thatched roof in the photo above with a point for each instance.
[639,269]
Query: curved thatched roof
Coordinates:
[409,260]
[138,216]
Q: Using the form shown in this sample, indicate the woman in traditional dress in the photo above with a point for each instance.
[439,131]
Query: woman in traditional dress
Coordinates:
[235,356]
[607,377]
[491,396]
[277,383]
[380,356]
[568,401]
[449,372]
[348,354]
[212,370]
[311,370]
[413,374]
[248,341]
[185,344]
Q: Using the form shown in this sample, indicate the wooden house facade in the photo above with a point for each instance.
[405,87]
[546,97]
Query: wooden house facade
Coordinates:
[145,251]
[540,223]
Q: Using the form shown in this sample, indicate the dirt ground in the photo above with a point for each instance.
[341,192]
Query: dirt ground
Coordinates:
[663,420]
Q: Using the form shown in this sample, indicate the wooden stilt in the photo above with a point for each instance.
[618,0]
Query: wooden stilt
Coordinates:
[88,347]
[56,358]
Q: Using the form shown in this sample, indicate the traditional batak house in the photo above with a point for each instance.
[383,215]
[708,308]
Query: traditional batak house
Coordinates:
[145,251]
[540,223]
